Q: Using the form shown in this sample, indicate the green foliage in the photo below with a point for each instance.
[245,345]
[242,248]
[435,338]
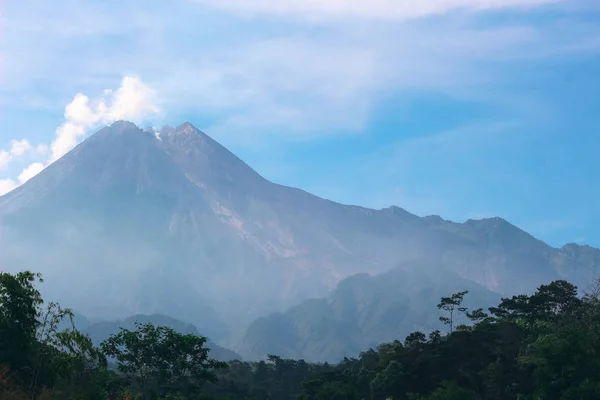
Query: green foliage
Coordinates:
[452,305]
[36,354]
[543,346]
[162,361]
[19,312]
[447,391]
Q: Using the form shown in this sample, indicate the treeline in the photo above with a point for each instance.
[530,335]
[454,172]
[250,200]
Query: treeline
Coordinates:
[540,346]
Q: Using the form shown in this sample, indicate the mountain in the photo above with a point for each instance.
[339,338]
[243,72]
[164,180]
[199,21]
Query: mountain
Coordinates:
[362,312]
[100,331]
[137,222]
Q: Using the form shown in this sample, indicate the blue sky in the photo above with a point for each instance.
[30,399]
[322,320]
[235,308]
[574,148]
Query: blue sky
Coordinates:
[462,108]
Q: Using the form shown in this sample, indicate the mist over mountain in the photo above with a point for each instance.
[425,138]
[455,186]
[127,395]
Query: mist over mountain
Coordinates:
[132,222]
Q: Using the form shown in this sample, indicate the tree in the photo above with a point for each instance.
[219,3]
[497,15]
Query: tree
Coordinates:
[447,391]
[477,315]
[19,312]
[415,340]
[162,360]
[83,367]
[451,305]
[593,292]
[48,358]
[388,381]
[36,352]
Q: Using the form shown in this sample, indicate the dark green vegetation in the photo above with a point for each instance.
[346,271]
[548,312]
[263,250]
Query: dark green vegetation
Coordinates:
[542,346]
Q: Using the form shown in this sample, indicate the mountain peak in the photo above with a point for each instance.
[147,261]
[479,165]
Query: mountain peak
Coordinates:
[206,162]
[122,125]
[187,125]
[434,219]
[118,130]
[487,221]
[395,210]
[184,130]
[495,226]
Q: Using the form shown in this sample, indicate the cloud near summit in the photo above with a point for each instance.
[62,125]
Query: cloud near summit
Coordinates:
[133,100]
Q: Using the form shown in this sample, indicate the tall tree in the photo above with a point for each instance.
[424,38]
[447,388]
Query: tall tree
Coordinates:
[161,360]
[19,312]
[452,305]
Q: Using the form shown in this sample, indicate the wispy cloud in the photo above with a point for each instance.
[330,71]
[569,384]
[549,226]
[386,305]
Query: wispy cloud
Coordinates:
[374,9]
[31,171]
[4,158]
[20,147]
[258,77]
[6,185]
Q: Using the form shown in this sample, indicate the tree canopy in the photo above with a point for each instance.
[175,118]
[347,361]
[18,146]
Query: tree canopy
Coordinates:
[534,346]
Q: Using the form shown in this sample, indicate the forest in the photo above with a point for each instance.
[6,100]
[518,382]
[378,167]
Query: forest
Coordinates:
[539,346]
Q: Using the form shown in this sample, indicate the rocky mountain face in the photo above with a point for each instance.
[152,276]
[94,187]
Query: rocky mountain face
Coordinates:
[133,222]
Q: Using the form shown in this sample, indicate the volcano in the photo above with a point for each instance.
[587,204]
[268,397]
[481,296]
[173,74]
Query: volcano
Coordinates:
[138,222]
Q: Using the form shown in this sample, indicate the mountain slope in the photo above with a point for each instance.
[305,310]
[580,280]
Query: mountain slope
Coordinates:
[130,222]
[362,312]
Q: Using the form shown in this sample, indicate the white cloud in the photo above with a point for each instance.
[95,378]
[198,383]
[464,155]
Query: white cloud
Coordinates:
[19,147]
[261,78]
[4,158]
[372,9]
[6,185]
[303,86]
[133,101]
[31,171]
[42,149]
[67,137]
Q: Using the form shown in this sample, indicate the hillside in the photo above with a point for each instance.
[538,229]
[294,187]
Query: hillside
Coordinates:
[362,312]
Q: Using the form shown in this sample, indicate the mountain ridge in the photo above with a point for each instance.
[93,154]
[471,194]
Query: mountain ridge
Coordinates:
[360,313]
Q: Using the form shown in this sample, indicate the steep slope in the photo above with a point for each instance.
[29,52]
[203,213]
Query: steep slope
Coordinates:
[360,313]
[131,222]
